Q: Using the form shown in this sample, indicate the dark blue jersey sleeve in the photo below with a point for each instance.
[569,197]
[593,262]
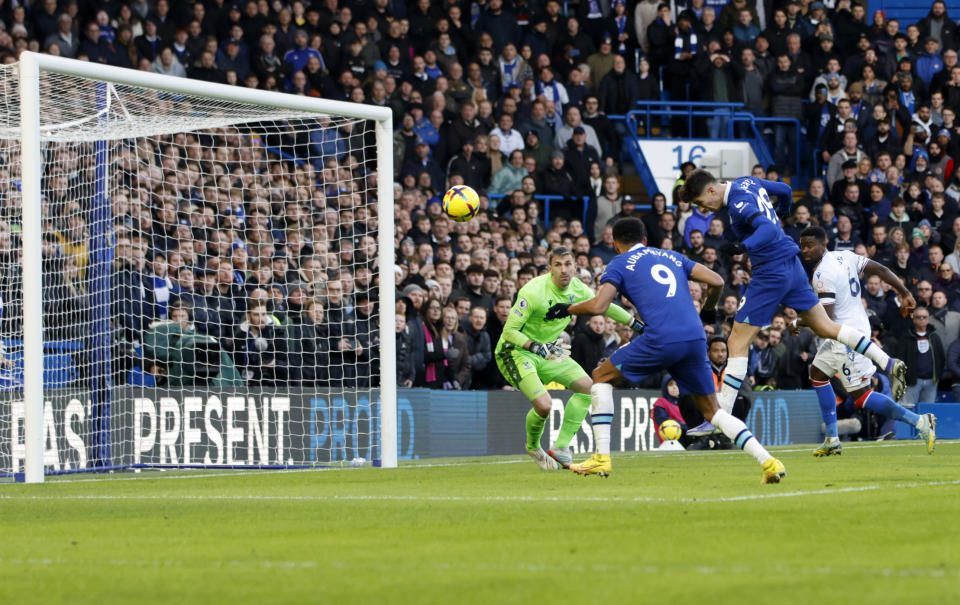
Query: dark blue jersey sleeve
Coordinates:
[612,276]
[782,191]
[765,233]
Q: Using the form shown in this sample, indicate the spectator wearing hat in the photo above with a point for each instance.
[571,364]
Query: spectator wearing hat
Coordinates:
[473,289]
[540,152]
[422,162]
[848,175]
[818,115]
[572,119]
[296,58]
[468,165]
[885,140]
[929,62]
[601,61]
[578,156]
[557,179]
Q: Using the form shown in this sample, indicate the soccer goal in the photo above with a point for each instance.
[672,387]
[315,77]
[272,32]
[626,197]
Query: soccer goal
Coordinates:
[192,275]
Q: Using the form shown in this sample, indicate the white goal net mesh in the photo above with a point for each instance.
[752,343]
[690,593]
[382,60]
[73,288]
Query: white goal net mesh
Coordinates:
[209,281]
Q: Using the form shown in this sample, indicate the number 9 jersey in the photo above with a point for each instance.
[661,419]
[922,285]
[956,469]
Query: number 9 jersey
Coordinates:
[655,281]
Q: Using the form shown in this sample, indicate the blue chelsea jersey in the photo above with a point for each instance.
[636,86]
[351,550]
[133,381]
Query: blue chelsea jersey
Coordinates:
[748,201]
[655,281]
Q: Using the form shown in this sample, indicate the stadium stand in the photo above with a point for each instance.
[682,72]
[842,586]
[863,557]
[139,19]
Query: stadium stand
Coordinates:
[876,98]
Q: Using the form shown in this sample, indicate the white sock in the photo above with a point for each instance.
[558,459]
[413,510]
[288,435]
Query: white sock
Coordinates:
[737,431]
[601,415]
[861,344]
[732,379]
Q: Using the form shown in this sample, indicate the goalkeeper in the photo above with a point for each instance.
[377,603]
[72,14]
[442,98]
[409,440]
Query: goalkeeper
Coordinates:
[529,355]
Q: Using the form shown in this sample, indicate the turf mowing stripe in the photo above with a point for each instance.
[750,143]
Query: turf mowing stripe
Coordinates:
[415,498]
[708,570]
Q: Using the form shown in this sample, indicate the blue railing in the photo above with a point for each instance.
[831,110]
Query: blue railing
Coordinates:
[733,113]
[547,200]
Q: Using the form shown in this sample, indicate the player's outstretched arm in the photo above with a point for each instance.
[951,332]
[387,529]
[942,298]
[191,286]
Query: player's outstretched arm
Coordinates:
[907,303]
[776,188]
[600,304]
[597,305]
[712,280]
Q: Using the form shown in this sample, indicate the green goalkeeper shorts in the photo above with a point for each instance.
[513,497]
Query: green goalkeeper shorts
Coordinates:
[527,372]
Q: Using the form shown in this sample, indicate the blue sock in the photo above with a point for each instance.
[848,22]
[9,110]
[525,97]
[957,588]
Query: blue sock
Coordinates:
[828,406]
[883,405]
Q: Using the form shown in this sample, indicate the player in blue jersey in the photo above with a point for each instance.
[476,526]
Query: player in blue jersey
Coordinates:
[778,277]
[656,282]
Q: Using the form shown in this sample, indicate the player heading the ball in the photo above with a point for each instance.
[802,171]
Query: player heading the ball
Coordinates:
[778,276]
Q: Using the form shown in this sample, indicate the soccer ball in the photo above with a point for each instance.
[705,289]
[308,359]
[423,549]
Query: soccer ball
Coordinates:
[670,430]
[461,203]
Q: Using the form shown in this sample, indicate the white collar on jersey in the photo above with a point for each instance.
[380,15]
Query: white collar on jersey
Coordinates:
[635,246]
[726,192]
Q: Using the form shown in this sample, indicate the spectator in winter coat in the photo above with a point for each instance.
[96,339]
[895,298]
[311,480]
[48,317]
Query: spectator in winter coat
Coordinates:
[405,369]
[588,344]
[667,407]
[259,348]
[922,351]
[315,337]
[456,351]
[478,344]
[786,88]
[619,89]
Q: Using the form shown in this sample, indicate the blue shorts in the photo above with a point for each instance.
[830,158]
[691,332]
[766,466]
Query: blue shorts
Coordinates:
[774,284]
[686,361]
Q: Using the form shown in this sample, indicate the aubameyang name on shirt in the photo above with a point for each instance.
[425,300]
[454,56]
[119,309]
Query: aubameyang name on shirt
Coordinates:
[636,256]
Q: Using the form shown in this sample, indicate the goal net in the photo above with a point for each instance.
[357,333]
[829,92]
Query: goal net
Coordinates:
[205,282]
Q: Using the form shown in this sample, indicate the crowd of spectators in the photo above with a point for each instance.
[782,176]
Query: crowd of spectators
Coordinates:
[513,99]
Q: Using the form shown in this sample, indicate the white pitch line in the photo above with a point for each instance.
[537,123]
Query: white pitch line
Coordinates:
[421,498]
[213,473]
[483,567]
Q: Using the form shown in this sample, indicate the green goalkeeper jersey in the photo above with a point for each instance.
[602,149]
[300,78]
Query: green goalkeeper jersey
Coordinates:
[526,320]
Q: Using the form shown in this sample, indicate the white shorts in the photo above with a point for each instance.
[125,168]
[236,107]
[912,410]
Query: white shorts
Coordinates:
[853,369]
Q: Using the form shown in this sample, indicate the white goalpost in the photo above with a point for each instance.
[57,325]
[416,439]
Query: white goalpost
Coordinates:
[193,275]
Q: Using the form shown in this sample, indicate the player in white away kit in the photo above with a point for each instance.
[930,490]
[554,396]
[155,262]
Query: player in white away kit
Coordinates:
[836,280]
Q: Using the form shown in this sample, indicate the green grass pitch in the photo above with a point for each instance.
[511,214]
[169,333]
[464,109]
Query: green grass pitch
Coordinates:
[881,524]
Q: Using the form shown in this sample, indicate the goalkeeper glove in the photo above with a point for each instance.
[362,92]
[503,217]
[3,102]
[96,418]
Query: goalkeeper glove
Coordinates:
[552,351]
[557,311]
[637,326]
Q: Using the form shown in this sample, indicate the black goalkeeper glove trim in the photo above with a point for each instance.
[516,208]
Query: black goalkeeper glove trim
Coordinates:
[557,311]
[637,326]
